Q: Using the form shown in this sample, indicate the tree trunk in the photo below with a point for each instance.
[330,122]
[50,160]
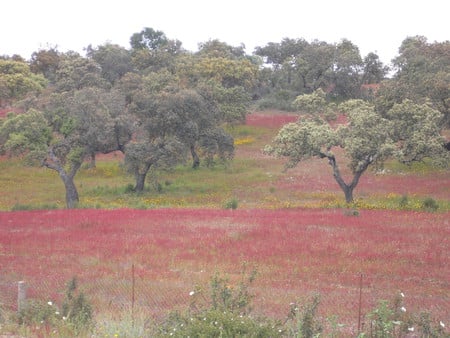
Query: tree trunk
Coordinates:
[140,178]
[348,192]
[348,188]
[140,182]
[195,158]
[71,192]
[53,162]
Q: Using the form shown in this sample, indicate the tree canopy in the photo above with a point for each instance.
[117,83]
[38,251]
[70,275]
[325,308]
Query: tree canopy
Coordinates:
[17,80]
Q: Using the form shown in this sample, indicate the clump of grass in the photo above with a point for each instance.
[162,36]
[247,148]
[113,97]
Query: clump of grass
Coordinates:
[231,204]
[21,207]
[25,207]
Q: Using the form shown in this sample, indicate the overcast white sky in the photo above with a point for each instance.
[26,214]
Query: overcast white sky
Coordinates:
[374,26]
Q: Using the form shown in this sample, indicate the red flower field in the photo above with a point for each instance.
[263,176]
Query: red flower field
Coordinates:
[296,252]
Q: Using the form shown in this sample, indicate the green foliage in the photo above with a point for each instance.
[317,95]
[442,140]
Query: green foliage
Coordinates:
[392,319]
[382,320]
[416,130]
[225,298]
[408,132]
[22,207]
[301,141]
[74,319]
[430,204]
[38,312]
[17,80]
[281,100]
[26,134]
[231,204]
[125,326]
[422,75]
[76,309]
[227,315]
[313,103]
[303,320]
[215,323]
[403,202]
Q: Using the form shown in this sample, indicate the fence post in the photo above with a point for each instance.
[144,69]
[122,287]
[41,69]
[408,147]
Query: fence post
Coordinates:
[360,303]
[21,295]
[133,281]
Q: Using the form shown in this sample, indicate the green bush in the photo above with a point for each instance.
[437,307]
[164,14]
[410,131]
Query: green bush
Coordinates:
[38,312]
[404,202]
[391,319]
[76,309]
[303,319]
[231,204]
[226,314]
[430,204]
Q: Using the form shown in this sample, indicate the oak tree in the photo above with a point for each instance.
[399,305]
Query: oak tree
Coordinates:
[409,132]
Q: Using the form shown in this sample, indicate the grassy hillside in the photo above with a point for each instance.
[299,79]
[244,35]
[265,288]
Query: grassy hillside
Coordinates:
[252,179]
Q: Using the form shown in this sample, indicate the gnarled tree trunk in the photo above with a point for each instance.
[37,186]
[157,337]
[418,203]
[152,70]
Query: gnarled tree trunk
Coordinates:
[348,188]
[53,162]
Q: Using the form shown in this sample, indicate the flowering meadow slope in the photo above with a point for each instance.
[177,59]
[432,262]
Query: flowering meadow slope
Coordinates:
[295,252]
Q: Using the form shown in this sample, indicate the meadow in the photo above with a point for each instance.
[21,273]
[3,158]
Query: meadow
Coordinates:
[292,227]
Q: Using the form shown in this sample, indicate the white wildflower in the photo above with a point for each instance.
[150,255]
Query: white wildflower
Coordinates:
[403,309]
[441,324]
[50,303]
[410,329]
[402,294]
[191,293]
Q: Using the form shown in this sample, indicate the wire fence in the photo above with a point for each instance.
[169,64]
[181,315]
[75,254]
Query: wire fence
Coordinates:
[345,302]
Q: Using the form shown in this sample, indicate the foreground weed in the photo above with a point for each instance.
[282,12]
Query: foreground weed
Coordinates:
[302,319]
[392,319]
[225,314]
[76,308]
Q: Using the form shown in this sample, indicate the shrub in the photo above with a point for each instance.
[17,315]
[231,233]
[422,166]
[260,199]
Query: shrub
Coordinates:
[129,189]
[430,204]
[231,204]
[227,314]
[404,202]
[76,309]
[304,319]
[391,319]
[37,312]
